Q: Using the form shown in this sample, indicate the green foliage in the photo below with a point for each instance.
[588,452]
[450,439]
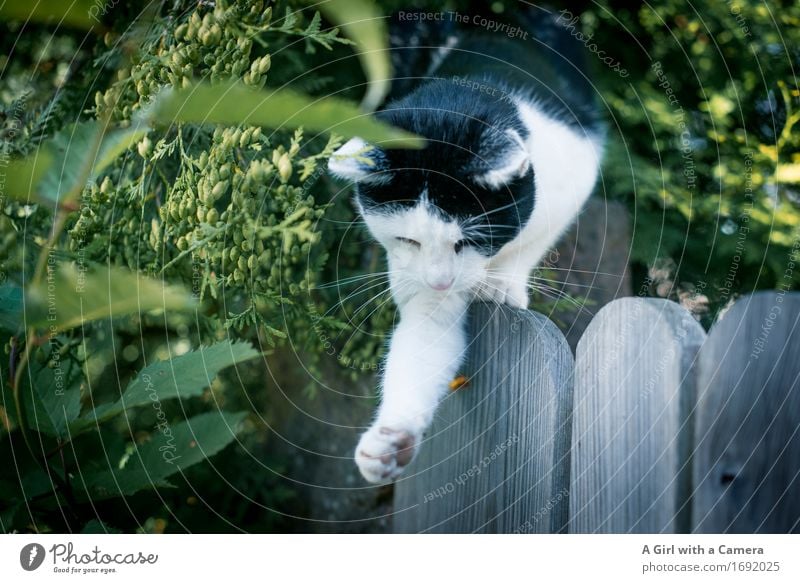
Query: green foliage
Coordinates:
[183,376]
[233,103]
[167,190]
[77,13]
[171,451]
[58,171]
[68,297]
[704,147]
[52,390]
[166,204]
[363,23]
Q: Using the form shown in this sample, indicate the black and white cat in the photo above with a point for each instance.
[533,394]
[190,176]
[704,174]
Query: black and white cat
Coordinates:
[513,152]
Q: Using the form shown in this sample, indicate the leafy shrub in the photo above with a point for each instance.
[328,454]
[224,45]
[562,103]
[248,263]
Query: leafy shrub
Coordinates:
[167,213]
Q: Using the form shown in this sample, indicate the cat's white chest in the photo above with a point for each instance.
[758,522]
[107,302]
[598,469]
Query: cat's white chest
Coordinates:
[566,163]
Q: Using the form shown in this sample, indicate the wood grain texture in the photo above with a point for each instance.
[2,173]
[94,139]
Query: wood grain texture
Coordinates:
[593,262]
[632,431]
[747,462]
[496,459]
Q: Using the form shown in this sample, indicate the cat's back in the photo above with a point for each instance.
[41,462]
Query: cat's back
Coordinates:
[461,66]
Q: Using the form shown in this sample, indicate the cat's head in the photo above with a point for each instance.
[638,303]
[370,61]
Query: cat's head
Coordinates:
[442,211]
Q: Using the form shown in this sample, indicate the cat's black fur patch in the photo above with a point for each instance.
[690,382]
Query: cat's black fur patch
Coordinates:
[462,104]
[466,139]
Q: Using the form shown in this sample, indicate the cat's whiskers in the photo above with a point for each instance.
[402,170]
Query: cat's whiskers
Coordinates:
[359,220]
[545,290]
[352,279]
[356,327]
[360,290]
[535,277]
[560,295]
[368,302]
[487,213]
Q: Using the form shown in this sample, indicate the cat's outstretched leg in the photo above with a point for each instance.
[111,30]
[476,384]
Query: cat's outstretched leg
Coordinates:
[425,352]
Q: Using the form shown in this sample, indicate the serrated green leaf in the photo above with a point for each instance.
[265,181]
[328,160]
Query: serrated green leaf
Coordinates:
[68,298]
[171,450]
[52,394]
[70,150]
[234,103]
[180,377]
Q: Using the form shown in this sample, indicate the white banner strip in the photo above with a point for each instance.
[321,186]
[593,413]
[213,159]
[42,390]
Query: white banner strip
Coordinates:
[401,558]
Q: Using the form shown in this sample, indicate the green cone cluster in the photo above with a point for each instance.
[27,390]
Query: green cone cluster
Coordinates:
[235,212]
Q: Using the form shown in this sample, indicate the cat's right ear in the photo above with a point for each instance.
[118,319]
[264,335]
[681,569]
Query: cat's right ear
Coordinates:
[359,161]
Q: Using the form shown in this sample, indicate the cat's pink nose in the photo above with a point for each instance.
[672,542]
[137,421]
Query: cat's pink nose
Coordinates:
[442,284]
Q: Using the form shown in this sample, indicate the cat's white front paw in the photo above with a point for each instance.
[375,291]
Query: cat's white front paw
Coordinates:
[384,452]
[504,291]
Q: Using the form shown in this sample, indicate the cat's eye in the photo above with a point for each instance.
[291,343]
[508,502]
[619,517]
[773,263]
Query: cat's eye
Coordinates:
[459,245]
[409,241]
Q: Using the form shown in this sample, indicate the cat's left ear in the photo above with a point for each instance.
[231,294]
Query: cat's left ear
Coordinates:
[358,161]
[507,161]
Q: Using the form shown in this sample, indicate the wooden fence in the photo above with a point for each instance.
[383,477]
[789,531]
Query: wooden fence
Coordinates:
[655,426]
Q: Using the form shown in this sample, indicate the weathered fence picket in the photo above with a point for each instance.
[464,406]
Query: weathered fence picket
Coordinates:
[631,435]
[665,430]
[497,456]
[747,461]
